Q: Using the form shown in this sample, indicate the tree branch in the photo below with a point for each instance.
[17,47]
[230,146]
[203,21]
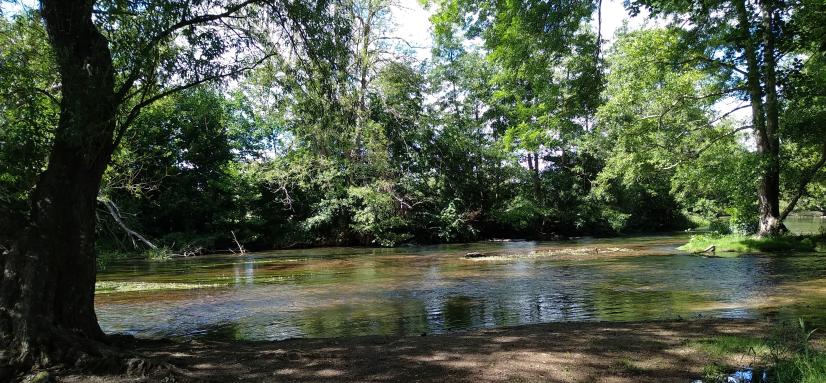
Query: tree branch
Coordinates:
[113,211]
[718,139]
[133,113]
[807,178]
[152,43]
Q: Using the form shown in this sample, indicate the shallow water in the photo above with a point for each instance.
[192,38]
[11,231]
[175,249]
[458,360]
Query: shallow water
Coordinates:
[805,224]
[332,292]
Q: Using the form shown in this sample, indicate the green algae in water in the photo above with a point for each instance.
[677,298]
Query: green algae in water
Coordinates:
[107,287]
[331,292]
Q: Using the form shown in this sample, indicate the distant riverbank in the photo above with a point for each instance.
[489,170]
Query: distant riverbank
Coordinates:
[736,243]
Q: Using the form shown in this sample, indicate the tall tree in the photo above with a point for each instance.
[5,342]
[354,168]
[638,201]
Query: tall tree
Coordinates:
[747,40]
[113,58]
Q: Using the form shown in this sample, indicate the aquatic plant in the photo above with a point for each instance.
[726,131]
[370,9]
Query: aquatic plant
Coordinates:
[158,254]
[106,287]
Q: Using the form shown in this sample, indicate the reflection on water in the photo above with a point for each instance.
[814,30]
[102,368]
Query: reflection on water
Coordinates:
[332,292]
[805,224]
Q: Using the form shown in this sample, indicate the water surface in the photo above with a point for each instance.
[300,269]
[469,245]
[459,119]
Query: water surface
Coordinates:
[332,292]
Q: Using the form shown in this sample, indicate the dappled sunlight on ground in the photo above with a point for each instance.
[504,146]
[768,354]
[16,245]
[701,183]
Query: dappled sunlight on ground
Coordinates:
[564,352]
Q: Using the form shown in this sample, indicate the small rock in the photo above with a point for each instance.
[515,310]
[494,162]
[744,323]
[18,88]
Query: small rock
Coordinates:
[474,255]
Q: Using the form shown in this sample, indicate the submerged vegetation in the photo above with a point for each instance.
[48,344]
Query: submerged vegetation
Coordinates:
[106,287]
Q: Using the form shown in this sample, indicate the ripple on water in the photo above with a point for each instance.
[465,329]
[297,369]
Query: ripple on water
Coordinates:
[331,292]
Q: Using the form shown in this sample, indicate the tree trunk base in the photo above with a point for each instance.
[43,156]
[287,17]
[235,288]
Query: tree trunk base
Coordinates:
[67,353]
[771,227]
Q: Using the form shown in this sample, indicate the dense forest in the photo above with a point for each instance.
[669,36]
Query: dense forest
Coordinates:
[525,134]
[212,125]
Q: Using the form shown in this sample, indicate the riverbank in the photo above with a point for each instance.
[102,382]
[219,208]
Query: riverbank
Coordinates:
[669,351]
[736,243]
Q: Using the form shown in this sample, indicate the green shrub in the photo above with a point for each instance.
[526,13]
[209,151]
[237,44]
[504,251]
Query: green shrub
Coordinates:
[106,256]
[720,226]
[376,216]
[520,213]
[453,225]
[743,221]
[793,358]
[158,254]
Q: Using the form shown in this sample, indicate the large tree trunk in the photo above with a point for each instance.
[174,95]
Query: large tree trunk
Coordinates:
[768,144]
[764,123]
[47,289]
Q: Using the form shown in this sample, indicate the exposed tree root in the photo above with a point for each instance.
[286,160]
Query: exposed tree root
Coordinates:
[67,355]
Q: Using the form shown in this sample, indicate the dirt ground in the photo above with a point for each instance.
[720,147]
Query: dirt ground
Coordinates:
[559,352]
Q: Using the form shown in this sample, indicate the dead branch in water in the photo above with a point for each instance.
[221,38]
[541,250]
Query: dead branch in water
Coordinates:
[241,249]
[115,213]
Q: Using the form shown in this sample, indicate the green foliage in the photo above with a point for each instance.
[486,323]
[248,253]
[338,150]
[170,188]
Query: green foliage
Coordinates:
[792,355]
[376,214]
[158,254]
[724,345]
[720,226]
[28,113]
[350,140]
[520,213]
[107,255]
[452,225]
[715,372]
[658,144]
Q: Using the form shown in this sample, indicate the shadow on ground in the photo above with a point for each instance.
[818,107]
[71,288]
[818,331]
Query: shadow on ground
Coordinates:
[563,352]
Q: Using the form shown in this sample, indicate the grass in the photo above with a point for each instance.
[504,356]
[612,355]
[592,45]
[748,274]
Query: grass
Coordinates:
[107,287]
[786,353]
[801,369]
[736,243]
[727,345]
[158,254]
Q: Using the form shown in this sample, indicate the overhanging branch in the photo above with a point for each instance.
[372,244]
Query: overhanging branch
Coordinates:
[161,36]
[135,110]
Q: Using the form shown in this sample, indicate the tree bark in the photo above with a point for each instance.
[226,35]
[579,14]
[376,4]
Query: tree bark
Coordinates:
[537,187]
[47,314]
[769,191]
[764,120]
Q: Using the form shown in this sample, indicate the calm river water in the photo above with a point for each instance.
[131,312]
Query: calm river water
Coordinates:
[333,292]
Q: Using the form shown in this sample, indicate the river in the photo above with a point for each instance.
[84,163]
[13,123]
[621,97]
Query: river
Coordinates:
[336,292]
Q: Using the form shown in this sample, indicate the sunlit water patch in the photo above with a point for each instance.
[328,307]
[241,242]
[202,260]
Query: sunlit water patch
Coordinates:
[333,292]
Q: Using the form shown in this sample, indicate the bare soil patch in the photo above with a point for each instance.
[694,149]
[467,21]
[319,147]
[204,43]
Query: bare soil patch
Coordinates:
[557,352]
